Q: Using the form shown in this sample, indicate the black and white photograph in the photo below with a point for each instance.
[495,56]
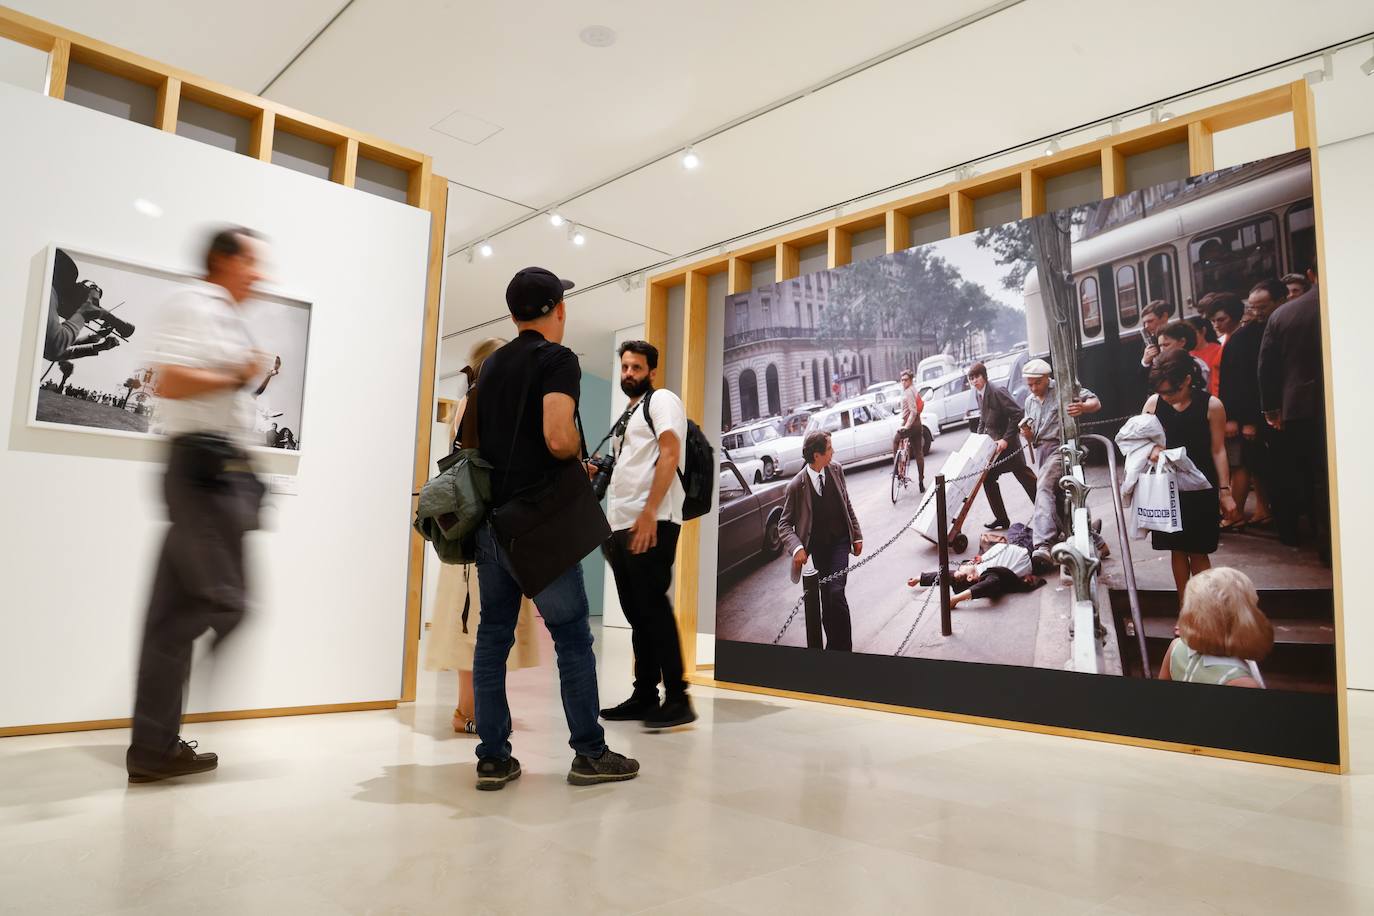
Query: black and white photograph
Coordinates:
[93,370]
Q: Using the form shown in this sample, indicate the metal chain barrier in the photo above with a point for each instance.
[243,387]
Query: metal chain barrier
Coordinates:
[930,494]
[930,593]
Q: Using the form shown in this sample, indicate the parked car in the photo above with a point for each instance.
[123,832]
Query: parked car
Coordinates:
[794,424]
[934,367]
[929,419]
[749,517]
[781,455]
[751,469]
[1005,371]
[885,391]
[861,429]
[954,399]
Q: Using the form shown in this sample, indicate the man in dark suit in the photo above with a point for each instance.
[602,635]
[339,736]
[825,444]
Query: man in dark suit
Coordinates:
[1000,419]
[1293,399]
[818,524]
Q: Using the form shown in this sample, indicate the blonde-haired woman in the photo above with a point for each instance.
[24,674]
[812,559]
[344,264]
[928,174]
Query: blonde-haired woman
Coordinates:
[452,639]
[1222,633]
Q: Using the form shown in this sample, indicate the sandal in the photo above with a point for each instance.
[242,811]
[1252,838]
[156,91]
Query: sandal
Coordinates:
[463,725]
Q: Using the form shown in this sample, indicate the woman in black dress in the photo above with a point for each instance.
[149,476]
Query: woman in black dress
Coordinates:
[1196,421]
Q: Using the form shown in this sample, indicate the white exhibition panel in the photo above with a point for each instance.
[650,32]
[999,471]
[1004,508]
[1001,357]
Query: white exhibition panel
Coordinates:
[83,518]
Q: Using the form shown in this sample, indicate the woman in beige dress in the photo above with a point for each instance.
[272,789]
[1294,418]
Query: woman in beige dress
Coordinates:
[451,641]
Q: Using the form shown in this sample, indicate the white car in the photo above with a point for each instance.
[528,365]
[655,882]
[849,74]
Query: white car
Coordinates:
[781,455]
[751,469]
[862,430]
[885,391]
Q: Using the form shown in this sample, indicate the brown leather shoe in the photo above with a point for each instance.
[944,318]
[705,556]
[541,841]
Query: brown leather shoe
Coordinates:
[185,762]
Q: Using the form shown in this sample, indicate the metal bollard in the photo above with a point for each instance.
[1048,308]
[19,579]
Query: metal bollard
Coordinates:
[942,524]
[811,604]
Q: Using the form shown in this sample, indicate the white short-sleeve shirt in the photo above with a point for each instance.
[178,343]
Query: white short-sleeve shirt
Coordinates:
[636,457]
[201,327]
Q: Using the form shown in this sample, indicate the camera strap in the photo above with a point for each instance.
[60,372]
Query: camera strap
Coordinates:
[618,427]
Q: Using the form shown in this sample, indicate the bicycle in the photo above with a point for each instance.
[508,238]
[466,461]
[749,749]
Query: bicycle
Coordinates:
[900,459]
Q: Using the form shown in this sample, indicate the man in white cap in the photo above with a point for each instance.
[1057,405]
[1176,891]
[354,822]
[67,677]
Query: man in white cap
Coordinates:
[1042,429]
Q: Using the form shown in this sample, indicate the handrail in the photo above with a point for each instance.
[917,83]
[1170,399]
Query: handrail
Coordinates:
[1127,564]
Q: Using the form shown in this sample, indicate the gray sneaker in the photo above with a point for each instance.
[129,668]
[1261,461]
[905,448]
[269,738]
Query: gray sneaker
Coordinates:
[609,767]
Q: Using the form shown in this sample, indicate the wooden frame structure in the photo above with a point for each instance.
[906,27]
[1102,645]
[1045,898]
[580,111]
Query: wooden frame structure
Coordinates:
[1109,155]
[267,119]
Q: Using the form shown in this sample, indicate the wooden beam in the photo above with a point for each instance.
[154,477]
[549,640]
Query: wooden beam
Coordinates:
[345,169]
[168,104]
[694,347]
[656,320]
[1113,172]
[1200,149]
[419,181]
[960,213]
[740,278]
[264,136]
[786,262]
[839,247]
[898,228]
[59,61]
[1304,118]
[424,431]
[1032,193]
[1305,132]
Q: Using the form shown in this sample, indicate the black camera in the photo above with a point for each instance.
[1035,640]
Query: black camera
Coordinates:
[604,465]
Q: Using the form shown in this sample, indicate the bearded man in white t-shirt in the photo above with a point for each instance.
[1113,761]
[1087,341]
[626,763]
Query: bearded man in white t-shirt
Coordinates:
[644,508]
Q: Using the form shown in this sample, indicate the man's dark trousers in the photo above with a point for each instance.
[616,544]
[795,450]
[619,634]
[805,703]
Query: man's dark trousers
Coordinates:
[212,500]
[1015,466]
[642,581]
[834,606]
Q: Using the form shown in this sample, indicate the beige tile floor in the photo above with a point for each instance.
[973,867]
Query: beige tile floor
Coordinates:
[766,806]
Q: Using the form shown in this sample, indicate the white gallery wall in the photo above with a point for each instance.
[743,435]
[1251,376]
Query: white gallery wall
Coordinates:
[82,514]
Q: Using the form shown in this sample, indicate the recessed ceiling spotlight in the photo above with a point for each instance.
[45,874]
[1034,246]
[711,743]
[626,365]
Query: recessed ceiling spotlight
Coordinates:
[690,159]
[597,36]
[485,249]
[555,218]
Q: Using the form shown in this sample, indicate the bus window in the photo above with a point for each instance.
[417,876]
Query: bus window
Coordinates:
[1234,258]
[1302,237]
[1162,282]
[1091,305]
[1127,297]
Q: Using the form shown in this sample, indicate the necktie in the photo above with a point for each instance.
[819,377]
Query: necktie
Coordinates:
[822,481]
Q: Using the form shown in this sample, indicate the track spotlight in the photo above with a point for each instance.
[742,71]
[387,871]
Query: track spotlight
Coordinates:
[963,173]
[555,218]
[625,284]
[1053,147]
[485,249]
[690,159]
[1367,68]
[1324,74]
[575,235]
[1158,115]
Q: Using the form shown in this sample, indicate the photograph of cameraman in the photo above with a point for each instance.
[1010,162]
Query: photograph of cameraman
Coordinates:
[644,508]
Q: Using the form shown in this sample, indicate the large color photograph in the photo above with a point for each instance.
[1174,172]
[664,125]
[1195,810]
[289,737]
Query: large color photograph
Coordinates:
[101,317]
[1126,402]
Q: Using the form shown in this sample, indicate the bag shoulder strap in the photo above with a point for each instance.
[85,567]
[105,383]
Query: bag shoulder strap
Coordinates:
[649,418]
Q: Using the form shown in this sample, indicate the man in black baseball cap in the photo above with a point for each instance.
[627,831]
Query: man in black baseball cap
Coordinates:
[534,292]
[526,429]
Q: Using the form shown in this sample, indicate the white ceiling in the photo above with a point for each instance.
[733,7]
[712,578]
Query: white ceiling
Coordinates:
[572,116]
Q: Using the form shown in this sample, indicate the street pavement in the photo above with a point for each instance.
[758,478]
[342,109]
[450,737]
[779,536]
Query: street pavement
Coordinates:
[1026,629]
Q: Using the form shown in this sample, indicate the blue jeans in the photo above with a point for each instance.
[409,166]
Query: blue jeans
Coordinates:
[563,605]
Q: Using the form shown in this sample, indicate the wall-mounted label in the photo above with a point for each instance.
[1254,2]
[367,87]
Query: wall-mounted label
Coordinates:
[285,484]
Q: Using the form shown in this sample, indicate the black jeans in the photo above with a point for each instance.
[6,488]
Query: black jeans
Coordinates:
[212,499]
[642,580]
[1015,466]
[834,607]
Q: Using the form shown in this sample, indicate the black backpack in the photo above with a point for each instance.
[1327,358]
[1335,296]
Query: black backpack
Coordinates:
[698,480]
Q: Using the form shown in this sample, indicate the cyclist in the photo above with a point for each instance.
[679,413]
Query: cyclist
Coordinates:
[911,427]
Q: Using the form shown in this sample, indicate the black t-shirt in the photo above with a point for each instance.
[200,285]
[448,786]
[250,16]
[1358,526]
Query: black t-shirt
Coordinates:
[520,457]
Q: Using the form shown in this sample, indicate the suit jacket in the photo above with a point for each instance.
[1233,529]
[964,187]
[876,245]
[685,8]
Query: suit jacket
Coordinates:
[1239,389]
[1000,414]
[795,524]
[1290,359]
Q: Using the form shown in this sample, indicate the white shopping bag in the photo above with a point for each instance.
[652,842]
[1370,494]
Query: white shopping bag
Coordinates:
[1156,500]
